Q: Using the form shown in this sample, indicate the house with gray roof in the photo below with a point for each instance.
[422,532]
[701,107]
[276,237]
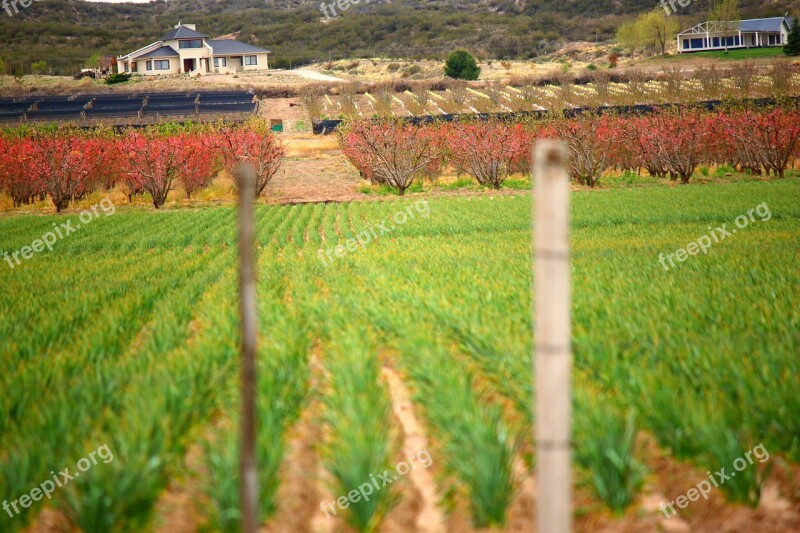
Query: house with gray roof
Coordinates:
[750,33]
[184,50]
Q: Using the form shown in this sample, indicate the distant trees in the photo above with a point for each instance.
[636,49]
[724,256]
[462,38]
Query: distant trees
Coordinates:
[39,68]
[651,29]
[792,46]
[726,12]
[461,65]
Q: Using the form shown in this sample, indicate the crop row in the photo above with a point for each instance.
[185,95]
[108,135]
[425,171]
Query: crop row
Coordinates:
[702,357]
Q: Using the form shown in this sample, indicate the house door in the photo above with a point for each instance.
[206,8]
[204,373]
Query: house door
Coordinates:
[188,65]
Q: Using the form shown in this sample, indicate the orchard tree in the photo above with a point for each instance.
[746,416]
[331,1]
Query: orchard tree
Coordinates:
[200,158]
[488,151]
[394,152]
[251,144]
[17,176]
[153,162]
[683,139]
[771,137]
[592,141]
[65,164]
[461,65]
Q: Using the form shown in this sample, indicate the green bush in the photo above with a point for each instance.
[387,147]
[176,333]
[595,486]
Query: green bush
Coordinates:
[792,46]
[461,65]
[40,67]
[117,78]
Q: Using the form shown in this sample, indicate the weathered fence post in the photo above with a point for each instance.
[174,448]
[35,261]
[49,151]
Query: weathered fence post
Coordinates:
[553,354]
[247,289]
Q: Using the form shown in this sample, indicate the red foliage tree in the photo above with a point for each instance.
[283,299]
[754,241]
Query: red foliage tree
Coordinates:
[153,162]
[16,170]
[255,145]
[636,150]
[769,139]
[200,156]
[592,141]
[488,151]
[681,140]
[389,151]
[65,164]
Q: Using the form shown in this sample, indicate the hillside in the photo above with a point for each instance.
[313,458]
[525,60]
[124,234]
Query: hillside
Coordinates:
[66,32]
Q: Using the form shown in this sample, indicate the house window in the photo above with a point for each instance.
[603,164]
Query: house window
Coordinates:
[250,60]
[127,67]
[686,44]
[220,61]
[194,43]
[716,41]
[149,65]
[697,43]
[161,64]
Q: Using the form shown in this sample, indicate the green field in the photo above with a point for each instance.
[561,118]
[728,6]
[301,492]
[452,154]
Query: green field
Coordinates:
[126,334]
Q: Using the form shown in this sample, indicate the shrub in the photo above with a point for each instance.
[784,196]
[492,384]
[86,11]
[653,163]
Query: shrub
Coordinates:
[461,65]
[40,68]
[117,78]
[792,46]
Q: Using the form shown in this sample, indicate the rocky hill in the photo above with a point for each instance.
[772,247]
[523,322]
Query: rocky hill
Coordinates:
[65,33]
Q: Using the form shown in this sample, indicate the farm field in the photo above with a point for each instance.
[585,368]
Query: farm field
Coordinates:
[500,96]
[125,335]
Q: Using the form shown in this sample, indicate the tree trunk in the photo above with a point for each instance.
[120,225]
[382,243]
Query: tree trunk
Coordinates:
[61,204]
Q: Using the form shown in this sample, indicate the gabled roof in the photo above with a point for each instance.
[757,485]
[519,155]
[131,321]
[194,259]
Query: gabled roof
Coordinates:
[164,51]
[182,32]
[772,24]
[224,47]
[769,24]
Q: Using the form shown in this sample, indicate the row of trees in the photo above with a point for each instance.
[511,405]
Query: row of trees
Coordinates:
[666,144]
[67,164]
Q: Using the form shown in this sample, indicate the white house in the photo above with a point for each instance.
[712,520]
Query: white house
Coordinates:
[185,50]
[750,33]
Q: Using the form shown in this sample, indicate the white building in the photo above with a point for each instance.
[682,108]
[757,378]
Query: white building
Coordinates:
[184,50]
[751,33]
